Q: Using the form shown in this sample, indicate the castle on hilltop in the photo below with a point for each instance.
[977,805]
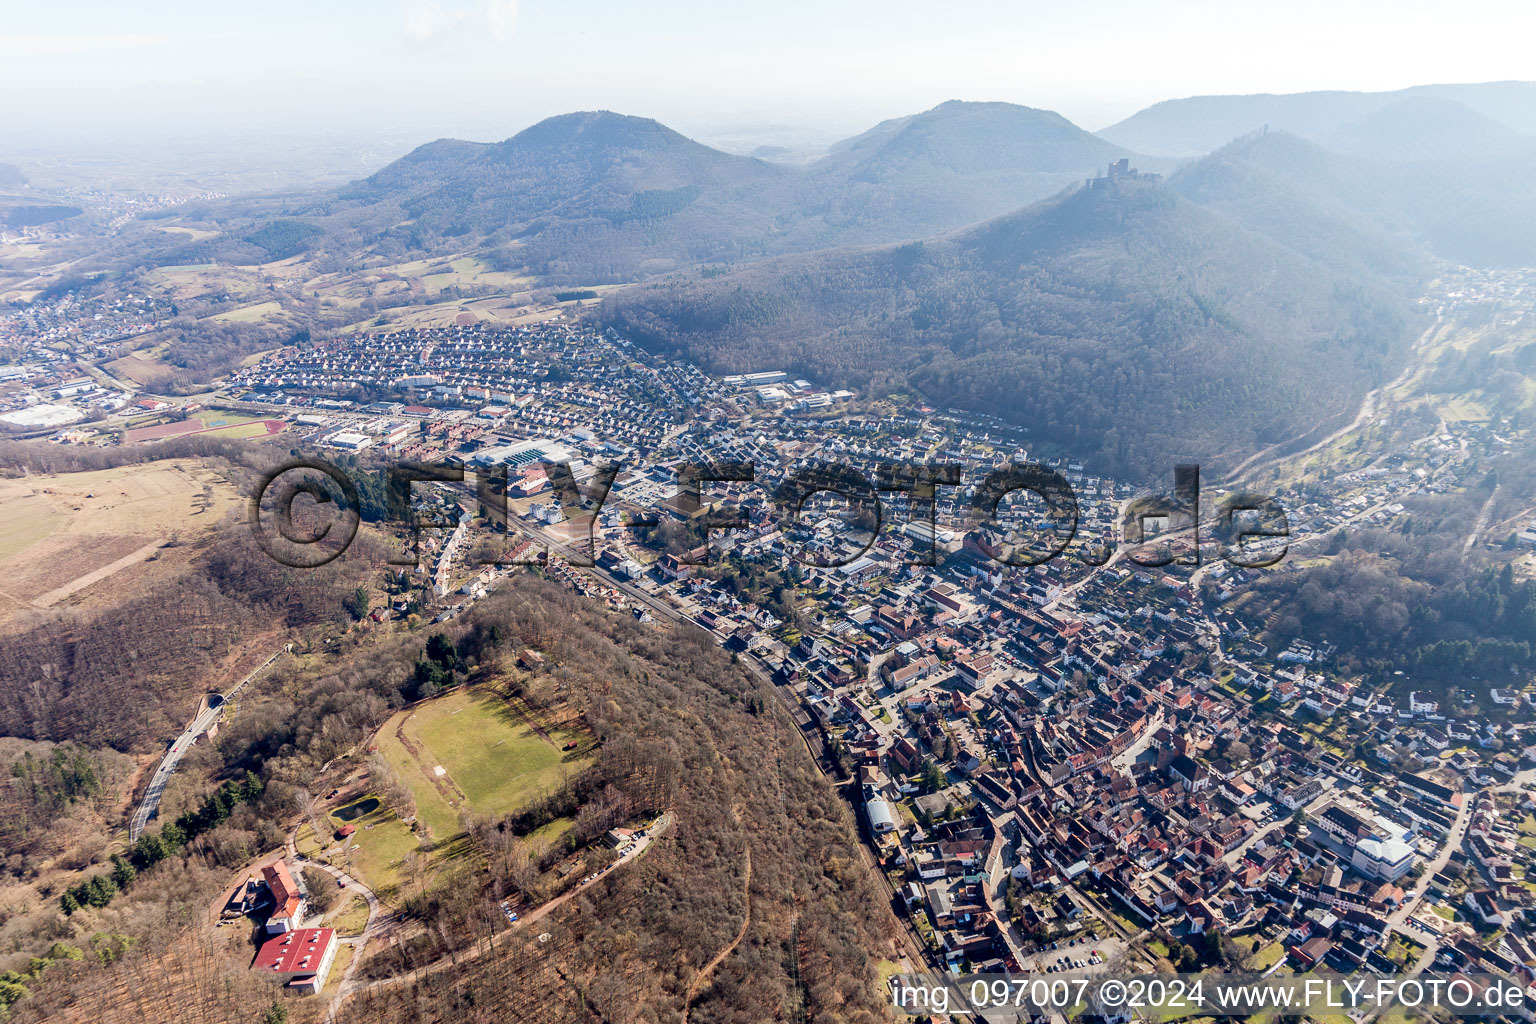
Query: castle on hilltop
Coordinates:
[1121,170]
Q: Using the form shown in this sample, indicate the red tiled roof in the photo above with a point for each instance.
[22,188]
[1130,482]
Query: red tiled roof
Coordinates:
[295,952]
[284,892]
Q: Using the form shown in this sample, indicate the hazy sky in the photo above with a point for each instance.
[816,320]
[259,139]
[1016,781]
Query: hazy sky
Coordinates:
[486,68]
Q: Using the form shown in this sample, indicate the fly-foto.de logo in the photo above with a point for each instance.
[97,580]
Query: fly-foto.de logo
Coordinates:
[1154,529]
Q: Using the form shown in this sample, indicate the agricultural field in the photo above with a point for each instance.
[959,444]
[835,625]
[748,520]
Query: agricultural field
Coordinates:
[142,366]
[25,520]
[64,534]
[191,234]
[460,312]
[468,270]
[252,314]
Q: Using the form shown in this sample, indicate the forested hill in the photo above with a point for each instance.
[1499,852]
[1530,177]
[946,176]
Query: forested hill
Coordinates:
[598,197]
[956,164]
[605,198]
[1330,208]
[1123,323]
[599,193]
[1469,198]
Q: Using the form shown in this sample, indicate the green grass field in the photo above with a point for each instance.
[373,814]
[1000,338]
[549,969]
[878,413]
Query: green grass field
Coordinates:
[1265,958]
[467,750]
[431,806]
[550,833]
[305,842]
[344,955]
[491,761]
[383,840]
[240,431]
[351,920]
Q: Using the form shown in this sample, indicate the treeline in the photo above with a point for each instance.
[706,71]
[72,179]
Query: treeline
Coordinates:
[13,984]
[152,848]
[284,238]
[44,788]
[18,457]
[1475,631]
[204,349]
[637,774]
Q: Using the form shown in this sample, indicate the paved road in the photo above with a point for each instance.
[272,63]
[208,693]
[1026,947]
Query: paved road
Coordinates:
[1368,409]
[1453,840]
[179,748]
[1282,819]
[358,942]
[162,776]
[1397,921]
[1123,761]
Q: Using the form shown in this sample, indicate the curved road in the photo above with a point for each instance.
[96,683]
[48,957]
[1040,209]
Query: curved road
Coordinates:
[373,924]
[183,743]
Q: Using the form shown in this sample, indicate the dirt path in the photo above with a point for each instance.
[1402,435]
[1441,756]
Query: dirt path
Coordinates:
[58,594]
[709,968]
[461,957]
[1483,516]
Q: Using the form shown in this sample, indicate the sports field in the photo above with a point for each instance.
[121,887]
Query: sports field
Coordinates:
[245,429]
[210,425]
[472,749]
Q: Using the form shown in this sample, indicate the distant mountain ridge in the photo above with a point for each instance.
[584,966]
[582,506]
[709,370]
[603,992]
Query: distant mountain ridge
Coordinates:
[1249,299]
[1200,124]
[599,196]
[1431,129]
[1479,209]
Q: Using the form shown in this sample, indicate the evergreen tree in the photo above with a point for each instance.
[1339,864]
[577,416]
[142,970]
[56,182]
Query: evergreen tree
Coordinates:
[100,890]
[123,873]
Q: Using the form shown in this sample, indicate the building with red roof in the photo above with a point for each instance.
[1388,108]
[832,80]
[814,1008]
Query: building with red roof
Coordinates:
[288,902]
[303,957]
